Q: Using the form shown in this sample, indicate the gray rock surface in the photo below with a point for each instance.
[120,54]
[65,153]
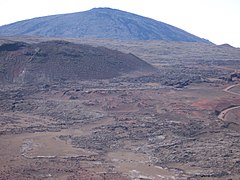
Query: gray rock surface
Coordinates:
[99,23]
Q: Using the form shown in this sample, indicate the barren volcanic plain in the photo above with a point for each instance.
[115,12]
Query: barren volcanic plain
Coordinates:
[182,121]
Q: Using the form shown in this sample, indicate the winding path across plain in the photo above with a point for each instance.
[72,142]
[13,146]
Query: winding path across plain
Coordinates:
[223,114]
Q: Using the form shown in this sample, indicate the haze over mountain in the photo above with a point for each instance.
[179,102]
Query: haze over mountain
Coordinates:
[99,23]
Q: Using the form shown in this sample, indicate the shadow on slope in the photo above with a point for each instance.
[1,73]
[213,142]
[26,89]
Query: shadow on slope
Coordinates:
[61,60]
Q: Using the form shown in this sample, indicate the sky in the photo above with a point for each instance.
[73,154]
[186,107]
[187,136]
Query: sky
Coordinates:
[215,20]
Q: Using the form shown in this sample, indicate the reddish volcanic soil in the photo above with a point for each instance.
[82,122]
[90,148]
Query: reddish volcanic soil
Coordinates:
[115,133]
[180,122]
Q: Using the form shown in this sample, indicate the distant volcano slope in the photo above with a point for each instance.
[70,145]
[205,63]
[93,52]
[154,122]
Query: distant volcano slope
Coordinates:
[103,23]
[61,60]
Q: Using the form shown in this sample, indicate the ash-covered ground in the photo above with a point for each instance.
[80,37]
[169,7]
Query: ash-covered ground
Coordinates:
[181,122]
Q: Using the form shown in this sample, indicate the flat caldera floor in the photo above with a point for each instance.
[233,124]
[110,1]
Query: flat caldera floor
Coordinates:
[107,130]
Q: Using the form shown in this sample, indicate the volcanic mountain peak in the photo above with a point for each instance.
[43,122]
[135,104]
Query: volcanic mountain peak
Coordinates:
[99,23]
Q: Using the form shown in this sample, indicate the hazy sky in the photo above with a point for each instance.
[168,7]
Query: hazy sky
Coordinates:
[215,20]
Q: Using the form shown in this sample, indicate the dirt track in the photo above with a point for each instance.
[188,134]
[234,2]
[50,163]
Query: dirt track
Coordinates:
[223,114]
